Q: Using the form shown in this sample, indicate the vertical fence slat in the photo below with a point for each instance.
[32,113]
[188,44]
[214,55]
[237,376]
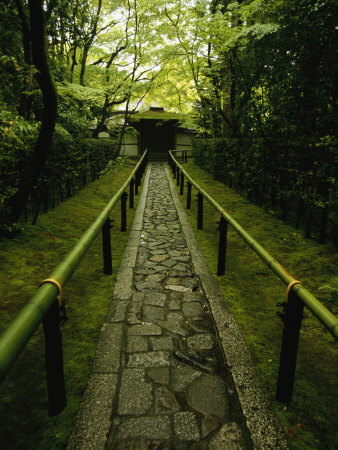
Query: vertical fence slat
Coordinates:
[182,184]
[189,185]
[136,183]
[54,361]
[131,193]
[199,211]
[106,247]
[124,211]
[288,356]
[222,246]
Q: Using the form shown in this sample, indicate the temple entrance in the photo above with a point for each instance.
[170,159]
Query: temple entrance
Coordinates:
[158,138]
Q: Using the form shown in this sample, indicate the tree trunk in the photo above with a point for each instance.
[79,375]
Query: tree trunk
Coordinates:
[25,100]
[89,43]
[73,63]
[33,167]
[83,64]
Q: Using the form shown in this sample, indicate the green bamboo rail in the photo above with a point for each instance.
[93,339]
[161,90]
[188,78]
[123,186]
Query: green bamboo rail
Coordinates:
[17,334]
[292,309]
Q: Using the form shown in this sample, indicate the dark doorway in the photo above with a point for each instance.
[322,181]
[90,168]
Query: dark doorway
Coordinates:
[156,132]
[158,138]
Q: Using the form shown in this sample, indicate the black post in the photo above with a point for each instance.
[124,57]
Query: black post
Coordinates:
[186,156]
[131,193]
[200,211]
[182,183]
[106,247]
[222,246]
[142,169]
[189,195]
[124,197]
[177,176]
[170,163]
[136,183]
[288,356]
[54,361]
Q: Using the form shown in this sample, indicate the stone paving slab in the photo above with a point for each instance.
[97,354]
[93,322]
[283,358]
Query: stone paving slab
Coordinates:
[117,311]
[129,257]
[108,351]
[134,401]
[153,427]
[122,289]
[169,340]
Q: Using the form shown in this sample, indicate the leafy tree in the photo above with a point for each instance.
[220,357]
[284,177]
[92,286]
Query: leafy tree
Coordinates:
[260,74]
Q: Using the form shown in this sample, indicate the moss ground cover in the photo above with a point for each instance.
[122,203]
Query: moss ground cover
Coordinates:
[252,291]
[25,261]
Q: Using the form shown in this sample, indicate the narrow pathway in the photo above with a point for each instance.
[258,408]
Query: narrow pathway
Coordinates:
[159,377]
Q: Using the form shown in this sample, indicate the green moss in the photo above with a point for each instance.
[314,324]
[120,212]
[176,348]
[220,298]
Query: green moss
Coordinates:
[25,261]
[252,291]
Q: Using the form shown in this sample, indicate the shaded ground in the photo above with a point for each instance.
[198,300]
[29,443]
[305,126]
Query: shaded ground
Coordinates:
[26,260]
[253,291]
[310,420]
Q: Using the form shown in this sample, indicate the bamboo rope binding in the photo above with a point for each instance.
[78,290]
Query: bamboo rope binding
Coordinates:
[58,285]
[290,287]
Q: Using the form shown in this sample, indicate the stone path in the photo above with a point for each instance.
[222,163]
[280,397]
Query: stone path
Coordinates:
[159,377]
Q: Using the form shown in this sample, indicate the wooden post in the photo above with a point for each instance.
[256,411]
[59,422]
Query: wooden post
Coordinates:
[182,183]
[54,361]
[199,211]
[124,211]
[136,183]
[106,247]
[139,174]
[222,246]
[189,195]
[131,193]
[288,356]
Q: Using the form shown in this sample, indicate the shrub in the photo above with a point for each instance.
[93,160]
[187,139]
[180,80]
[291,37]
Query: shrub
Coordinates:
[70,165]
[296,178]
[17,137]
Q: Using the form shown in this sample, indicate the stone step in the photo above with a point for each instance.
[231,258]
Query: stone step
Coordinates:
[158,157]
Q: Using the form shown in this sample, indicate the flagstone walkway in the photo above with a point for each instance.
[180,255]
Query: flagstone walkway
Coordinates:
[171,370]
